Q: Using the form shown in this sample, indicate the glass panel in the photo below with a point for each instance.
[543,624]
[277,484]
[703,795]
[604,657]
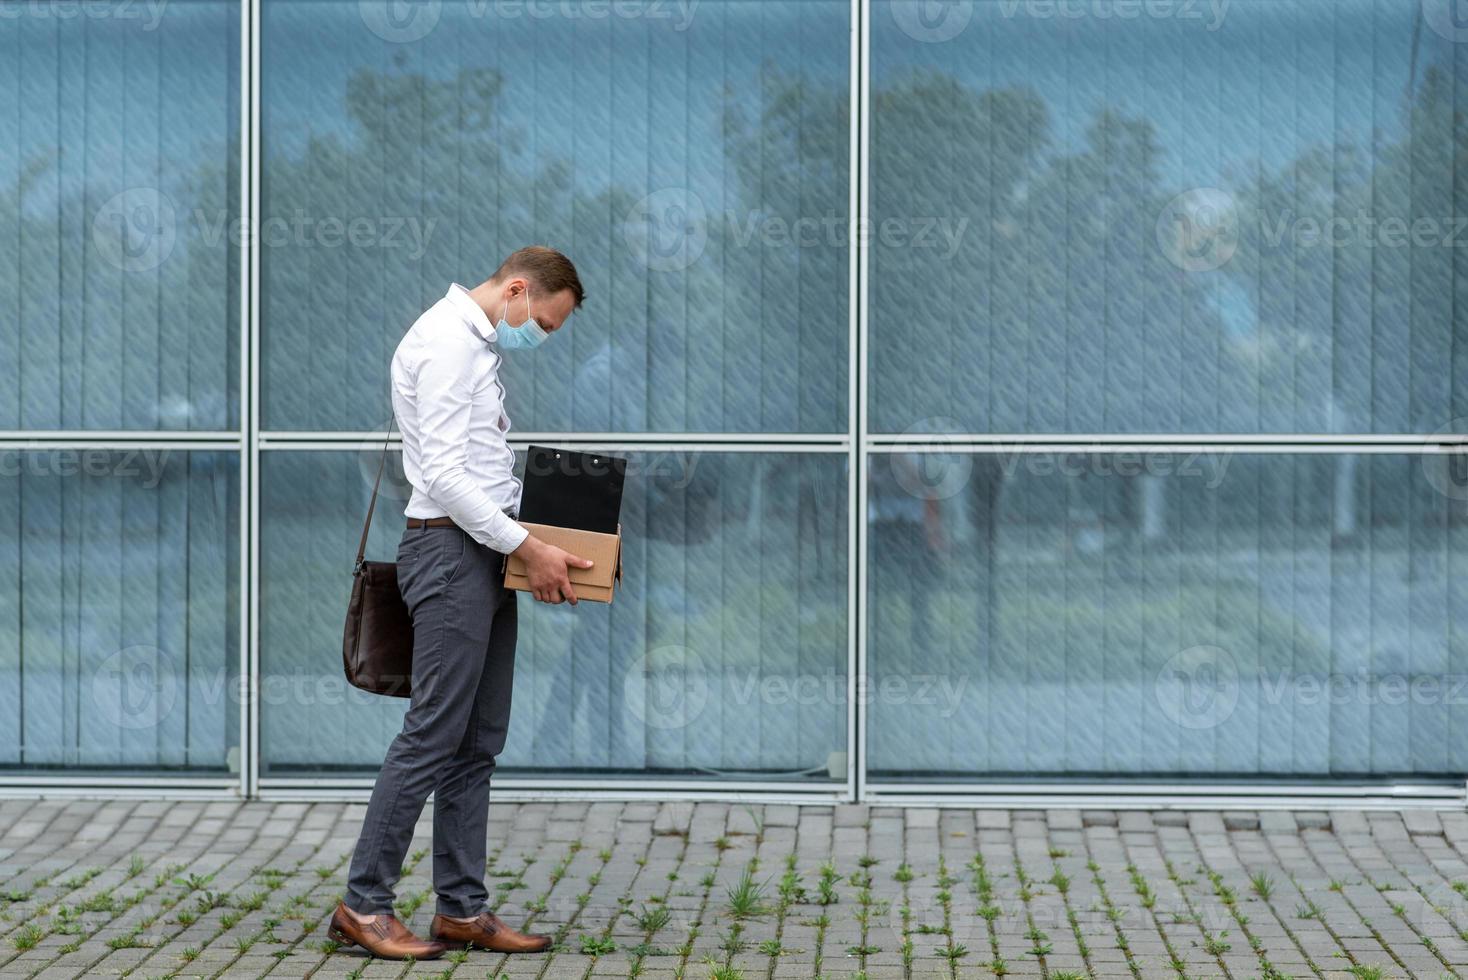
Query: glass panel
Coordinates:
[1176,217]
[1168,615]
[119,215]
[724,650]
[119,632]
[690,158]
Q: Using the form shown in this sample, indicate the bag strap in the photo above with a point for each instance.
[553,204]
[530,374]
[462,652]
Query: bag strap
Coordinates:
[372,505]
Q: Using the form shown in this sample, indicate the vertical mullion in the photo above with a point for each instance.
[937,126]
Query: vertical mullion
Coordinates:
[249,397]
[857,414]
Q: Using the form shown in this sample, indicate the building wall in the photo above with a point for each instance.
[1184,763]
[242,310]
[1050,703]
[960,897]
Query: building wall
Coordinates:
[1011,389]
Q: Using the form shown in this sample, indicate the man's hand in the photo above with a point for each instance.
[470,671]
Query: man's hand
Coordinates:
[545,566]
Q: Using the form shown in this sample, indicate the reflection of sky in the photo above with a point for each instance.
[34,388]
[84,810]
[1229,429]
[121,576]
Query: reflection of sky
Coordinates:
[1271,78]
[129,96]
[570,70]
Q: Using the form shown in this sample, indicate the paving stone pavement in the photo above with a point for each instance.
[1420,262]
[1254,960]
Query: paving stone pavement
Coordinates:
[150,888]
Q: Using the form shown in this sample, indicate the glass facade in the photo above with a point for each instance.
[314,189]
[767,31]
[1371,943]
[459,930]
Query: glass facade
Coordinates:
[735,587]
[1012,390]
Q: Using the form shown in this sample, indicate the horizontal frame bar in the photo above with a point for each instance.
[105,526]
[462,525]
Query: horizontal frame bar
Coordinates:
[586,438]
[1091,795]
[232,444]
[1088,795]
[356,443]
[202,787]
[118,435]
[1100,447]
[1191,438]
[612,786]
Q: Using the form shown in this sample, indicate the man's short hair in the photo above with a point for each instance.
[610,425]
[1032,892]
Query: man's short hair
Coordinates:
[551,271]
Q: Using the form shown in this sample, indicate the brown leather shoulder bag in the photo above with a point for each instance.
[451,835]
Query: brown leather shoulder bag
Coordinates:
[377,644]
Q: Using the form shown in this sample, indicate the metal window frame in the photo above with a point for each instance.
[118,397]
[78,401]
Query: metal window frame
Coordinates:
[858,443]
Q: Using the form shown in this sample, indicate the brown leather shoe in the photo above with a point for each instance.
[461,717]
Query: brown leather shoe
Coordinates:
[486,931]
[384,936]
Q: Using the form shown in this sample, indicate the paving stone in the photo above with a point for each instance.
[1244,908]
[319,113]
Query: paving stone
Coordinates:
[1240,820]
[1381,882]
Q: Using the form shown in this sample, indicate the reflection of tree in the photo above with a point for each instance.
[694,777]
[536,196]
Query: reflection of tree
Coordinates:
[1346,313]
[1059,312]
[92,344]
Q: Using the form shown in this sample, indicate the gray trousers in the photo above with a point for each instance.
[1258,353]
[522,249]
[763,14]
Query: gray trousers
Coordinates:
[463,669]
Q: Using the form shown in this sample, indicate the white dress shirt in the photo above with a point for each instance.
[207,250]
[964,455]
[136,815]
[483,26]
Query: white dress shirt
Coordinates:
[450,407]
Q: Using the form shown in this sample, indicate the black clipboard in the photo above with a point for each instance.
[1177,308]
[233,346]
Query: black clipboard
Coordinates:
[565,488]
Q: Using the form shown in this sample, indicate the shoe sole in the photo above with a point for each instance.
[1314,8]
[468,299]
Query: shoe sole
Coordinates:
[467,944]
[343,939]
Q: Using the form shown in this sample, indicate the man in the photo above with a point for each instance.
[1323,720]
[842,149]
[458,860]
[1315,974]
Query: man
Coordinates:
[449,405]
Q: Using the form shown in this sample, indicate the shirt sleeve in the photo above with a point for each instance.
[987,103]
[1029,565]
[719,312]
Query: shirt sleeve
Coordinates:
[445,386]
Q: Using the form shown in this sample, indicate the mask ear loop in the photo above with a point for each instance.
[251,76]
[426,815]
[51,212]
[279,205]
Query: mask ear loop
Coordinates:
[506,311]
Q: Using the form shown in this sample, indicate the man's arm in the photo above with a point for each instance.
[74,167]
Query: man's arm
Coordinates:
[444,387]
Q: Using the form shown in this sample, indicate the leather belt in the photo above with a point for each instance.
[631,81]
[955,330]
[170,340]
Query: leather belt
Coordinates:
[414,523]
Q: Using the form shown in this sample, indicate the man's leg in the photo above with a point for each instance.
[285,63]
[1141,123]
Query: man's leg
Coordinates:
[442,573]
[461,799]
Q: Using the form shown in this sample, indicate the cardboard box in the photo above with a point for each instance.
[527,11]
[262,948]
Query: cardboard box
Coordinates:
[595,583]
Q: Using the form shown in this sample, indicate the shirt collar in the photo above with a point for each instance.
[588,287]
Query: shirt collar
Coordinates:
[470,311]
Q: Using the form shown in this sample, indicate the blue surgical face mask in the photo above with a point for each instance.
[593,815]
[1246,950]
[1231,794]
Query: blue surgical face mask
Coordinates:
[527,336]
